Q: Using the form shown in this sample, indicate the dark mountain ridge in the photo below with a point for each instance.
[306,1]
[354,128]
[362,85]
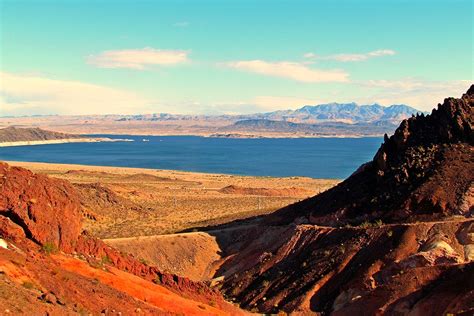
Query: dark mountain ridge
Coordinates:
[423,168]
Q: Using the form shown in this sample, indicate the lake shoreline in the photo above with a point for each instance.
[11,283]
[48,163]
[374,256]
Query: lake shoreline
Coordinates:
[61,167]
[322,158]
[61,141]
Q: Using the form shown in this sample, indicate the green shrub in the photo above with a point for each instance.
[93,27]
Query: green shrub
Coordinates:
[157,280]
[105,260]
[49,248]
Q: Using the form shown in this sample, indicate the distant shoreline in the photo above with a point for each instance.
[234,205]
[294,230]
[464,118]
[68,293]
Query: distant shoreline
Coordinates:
[240,136]
[61,141]
[260,136]
[331,158]
[53,166]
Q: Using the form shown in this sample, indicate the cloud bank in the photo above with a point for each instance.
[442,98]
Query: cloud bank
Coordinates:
[138,59]
[351,57]
[31,94]
[289,70]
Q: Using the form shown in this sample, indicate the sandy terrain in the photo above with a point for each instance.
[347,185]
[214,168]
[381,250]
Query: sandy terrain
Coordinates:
[131,202]
[195,255]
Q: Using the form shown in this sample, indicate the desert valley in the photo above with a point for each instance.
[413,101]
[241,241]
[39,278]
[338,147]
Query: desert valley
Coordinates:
[237,157]
[396,237]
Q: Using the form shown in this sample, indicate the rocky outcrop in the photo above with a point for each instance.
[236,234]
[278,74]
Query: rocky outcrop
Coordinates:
[349,271]
[46,209]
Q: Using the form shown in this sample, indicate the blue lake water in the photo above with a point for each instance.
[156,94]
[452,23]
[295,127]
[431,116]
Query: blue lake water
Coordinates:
[333,158]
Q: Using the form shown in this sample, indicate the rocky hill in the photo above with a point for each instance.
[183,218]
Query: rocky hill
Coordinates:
[16,134]
[396,237]
[424,168]
[48,266]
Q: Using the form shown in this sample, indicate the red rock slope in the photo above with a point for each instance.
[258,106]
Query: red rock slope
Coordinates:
[395,238]
[48,266]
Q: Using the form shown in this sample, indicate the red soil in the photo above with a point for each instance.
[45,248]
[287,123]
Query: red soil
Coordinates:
[39,215]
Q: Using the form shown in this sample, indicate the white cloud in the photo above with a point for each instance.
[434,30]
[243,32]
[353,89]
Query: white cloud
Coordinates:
[138,58]
[32,94]
[289,70]
[310,55]
[351,57]
[421,94]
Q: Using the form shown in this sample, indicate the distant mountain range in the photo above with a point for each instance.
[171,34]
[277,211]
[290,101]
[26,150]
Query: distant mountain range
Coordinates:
[331,112]
[344,112]
[328,119]
[324,120]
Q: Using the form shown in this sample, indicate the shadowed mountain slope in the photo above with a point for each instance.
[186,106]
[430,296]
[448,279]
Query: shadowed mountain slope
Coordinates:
[424,169]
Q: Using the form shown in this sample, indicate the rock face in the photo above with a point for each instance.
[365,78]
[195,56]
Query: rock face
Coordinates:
[352,271]
[46,209]
[394,238]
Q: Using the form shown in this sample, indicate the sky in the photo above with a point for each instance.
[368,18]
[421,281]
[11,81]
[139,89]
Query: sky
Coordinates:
[230,56]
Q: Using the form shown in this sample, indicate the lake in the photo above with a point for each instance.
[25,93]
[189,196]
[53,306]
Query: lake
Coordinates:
[334,158]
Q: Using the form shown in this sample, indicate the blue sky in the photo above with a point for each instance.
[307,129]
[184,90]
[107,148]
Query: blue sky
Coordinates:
[229,56]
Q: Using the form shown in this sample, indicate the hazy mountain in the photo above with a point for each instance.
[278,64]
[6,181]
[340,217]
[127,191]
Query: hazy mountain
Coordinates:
[345,112]
[324,120]
[331,112]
